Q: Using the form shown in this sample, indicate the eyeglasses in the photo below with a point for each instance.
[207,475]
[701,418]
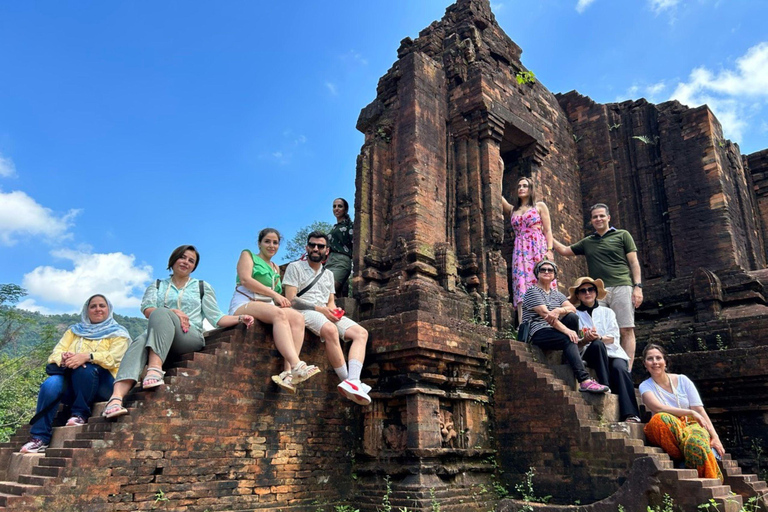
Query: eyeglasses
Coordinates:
[313,245]
[547,270]
[591,289]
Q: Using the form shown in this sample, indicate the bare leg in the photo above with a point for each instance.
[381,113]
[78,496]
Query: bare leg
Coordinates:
[359,337]
[281,329]
[121,388]
[153,360]
[296,320]
[628,343]
[330,336]
[519,313]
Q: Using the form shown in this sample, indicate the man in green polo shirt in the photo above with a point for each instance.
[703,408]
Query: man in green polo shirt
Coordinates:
[612,256]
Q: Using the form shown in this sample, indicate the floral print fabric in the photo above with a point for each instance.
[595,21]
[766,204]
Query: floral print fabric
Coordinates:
[530,248]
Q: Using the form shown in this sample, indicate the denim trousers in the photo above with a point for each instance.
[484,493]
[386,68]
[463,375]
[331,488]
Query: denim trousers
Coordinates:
[78,389]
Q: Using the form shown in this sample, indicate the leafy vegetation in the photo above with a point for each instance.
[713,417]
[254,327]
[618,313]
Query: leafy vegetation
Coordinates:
[26,341]
[525,77]
[296,245]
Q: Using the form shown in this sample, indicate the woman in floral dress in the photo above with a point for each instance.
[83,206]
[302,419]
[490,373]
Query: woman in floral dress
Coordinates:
[533,239]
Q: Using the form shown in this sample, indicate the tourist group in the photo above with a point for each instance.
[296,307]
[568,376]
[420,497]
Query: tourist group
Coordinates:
[96,360]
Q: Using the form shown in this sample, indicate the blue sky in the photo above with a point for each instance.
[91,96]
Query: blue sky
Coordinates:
[128,128]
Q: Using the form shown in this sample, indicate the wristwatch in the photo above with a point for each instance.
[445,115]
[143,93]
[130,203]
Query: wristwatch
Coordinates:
[91,357]
[638,285]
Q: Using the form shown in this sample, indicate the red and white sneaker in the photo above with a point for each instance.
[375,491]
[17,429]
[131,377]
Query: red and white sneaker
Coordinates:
[353,390]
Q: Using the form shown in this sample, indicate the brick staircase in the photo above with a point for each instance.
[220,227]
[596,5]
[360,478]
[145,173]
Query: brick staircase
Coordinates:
[25,475]
[218,436]
[597,415]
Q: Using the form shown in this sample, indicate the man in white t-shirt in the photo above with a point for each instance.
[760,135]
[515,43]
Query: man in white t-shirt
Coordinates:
[310,288]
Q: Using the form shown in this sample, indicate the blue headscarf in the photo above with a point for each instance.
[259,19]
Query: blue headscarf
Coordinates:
[109,328]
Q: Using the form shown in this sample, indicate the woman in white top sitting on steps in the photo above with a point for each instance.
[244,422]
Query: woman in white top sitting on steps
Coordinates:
[680,425]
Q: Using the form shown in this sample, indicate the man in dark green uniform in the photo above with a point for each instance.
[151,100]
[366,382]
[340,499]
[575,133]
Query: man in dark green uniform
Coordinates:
[612,256]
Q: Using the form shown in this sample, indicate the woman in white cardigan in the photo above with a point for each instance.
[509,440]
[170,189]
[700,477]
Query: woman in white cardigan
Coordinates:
[600,338]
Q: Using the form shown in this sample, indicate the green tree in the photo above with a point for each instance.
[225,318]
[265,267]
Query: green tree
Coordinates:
[296,245]
[20,377]
[12,322]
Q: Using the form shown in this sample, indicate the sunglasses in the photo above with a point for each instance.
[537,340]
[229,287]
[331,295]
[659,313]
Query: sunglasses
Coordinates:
[591,289]
[546,270]
[312,245]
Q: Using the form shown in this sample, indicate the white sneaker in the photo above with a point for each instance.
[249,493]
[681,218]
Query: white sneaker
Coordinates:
[353,390]
[365,387]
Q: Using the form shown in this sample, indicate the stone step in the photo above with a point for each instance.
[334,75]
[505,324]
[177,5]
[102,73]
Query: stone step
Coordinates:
[34,480]
[51,471]
[717,491]
[57,462]
[729,503]
[16,488]
[22,463]
[703,482]
[679,474]
[78,443]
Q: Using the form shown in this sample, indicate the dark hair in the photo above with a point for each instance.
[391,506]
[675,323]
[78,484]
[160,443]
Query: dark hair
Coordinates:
[531,192]
[597,206]
[317,234]
[264,232]
[179,252]
[346,207]
[653,346]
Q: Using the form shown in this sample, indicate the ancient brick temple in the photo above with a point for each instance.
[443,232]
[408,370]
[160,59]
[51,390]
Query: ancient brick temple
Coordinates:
[456,121]
[461,412]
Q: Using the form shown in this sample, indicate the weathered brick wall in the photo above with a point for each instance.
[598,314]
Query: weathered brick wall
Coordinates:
[540,425]
[757,164]
[671,179]
[218,436]
[429,180]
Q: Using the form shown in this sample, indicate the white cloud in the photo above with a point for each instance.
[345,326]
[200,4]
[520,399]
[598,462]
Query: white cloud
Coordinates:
[734,95]
[332,88]
[582,5]
[20,215]
[497,7]
[7,169]
[656,88]
[116,275]
[659,6]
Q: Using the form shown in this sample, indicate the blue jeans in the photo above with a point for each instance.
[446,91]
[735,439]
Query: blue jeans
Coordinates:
[81,387]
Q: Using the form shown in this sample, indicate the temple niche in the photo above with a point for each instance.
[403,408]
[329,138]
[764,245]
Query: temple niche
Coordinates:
[457,120]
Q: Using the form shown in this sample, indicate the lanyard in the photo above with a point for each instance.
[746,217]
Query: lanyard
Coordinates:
[178,299]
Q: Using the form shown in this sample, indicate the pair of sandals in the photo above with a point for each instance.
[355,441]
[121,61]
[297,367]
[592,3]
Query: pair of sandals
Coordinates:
[289,379]
[152,379]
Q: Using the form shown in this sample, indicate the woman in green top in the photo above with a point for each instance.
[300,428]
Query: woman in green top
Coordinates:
[258,293]
[340,242]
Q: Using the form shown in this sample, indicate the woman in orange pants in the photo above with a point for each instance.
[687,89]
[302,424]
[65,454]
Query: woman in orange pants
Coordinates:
[680,425]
